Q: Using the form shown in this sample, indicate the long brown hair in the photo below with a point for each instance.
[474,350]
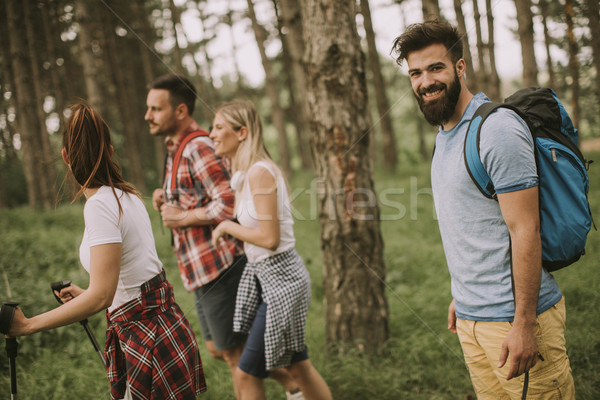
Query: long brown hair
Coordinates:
[86,140]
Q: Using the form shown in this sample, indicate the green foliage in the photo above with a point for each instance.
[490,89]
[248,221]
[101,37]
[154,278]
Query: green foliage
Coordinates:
[422,359]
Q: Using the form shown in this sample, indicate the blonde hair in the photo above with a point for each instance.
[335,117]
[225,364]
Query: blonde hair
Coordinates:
[240,114]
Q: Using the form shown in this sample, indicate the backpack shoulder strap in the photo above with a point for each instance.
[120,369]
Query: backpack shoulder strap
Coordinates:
[178,153]
[472,157]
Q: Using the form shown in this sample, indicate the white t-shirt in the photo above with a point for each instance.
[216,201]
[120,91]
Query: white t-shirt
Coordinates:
[139,260]
[247,216]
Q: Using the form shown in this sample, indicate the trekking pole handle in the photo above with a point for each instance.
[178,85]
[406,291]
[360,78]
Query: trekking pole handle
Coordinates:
[58,286]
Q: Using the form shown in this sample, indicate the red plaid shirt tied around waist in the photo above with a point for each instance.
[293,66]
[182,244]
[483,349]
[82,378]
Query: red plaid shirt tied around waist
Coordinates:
[150,345]
[202,182]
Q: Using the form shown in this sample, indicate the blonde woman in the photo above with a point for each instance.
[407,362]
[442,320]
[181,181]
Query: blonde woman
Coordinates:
[274,291]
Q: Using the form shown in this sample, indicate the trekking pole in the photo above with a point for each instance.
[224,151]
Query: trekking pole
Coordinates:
[7,312]
[58,286]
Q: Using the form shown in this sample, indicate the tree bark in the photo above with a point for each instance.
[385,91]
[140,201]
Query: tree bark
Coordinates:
[352,246]
[390,151]
[48,179]
[295,108]
[50,39]
[482,70]
[27,123]
[494,79]
[142,26]
[125,100]
[573,62]
[543,5]
[594,15]
[431,9]
[525,22]
[89,61]
[462,29]
[272,92]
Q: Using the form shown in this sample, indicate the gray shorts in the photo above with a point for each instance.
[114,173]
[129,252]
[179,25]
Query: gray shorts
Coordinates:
[215,305]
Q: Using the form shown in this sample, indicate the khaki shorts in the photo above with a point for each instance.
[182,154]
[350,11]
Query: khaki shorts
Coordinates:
[551,378]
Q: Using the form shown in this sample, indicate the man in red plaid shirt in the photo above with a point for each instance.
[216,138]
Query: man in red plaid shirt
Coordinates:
[194,199]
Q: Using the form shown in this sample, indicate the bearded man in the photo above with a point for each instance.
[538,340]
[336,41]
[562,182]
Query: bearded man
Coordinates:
[507,310]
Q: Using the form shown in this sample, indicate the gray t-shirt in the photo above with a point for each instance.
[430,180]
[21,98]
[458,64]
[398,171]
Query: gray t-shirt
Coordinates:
[474,234]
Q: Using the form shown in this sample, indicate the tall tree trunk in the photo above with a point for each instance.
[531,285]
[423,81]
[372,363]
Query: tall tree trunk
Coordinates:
[543,5]
[294,108]
[27,123]
[525,22]
[177,53]
[292,20]
[48,178]
[354,269]
[431,9]
[494,80]
[89,61]
[228,19]
[205,102]
[482,70]
[144,30]
[462,29]
[50,39]
[594,15]
[390,151]
[272,92]
[573,62]
[125,109]
[213,93]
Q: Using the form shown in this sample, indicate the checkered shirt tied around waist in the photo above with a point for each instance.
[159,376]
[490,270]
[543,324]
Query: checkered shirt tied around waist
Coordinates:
[202,182]
[284,284]
[150,344]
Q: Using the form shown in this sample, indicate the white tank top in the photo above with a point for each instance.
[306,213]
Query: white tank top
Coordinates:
[247,216]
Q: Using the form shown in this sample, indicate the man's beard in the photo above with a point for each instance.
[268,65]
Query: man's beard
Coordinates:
[438,112]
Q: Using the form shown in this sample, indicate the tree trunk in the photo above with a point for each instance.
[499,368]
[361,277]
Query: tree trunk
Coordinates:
[228,19]
[494,80]
[27,123]
[47,180]
[548,39]
[462,29]
[354,269]
[431,9]
[482,70]
[573,62]
[89,61]
[124,97]
[177,53]
[525,22]
[594,15]
[390,151]
[212,92]
[50,39]
[272,92]
[204,101]
[146,44]
[294,108]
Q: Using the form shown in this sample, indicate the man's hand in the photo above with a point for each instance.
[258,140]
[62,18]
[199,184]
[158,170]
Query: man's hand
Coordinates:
[173,216]
[158,198]
[521,344]
[452,318]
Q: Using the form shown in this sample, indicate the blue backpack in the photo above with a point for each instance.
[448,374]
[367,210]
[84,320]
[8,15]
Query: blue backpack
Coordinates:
[565,215]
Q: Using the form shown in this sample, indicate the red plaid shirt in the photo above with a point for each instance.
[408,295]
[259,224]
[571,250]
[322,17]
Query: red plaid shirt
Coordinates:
[151,345]
[202,182]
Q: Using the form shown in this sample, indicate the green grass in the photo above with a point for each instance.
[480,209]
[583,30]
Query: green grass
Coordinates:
[422,360]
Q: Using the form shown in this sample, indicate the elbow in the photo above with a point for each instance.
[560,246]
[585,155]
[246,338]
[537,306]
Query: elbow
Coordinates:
[103,301]
[272,244]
